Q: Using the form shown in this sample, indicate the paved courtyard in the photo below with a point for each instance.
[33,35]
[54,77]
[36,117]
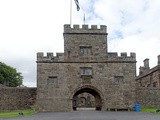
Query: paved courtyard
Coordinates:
[91,115]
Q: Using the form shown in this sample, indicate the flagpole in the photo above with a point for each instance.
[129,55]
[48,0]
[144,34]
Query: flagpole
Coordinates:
[71,13]
[84,19]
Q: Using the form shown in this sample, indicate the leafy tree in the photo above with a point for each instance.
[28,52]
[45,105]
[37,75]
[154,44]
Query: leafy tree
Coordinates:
[9,76]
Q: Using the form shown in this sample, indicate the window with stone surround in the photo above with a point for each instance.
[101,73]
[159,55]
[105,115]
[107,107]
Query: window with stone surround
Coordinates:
[85,50]
[119,79]
[86,71]
[52,79]
[155,84]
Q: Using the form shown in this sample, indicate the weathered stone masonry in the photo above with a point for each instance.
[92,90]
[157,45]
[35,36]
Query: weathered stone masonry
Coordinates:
[148,97]
[148,85]
[149,77]
[85,66]
[12,98]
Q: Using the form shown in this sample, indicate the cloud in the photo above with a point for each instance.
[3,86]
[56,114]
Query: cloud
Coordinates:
[133,26]
[28,27]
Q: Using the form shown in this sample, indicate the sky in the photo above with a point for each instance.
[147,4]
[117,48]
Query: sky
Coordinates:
[31,26]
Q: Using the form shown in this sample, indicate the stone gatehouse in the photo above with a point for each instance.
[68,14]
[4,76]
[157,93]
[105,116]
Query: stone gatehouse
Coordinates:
[86,66]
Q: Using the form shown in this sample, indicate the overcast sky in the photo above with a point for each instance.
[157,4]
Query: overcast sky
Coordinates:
[31,26]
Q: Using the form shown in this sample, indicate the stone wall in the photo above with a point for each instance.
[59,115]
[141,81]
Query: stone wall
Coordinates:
[148,97]
[17,98]
[57,95]
[85,66]
[151,78]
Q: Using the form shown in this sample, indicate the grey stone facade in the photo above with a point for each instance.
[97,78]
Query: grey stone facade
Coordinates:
[148,97]
[85,66]
[149,77]
[148,85]
[12,98]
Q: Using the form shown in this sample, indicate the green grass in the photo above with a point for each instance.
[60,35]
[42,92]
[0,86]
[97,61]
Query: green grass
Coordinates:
[13,114]
[152,110]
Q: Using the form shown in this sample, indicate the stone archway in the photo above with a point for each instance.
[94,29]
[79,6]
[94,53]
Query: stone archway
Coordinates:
[90,90]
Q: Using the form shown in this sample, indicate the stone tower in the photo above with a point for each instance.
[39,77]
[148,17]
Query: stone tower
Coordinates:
[86,66]
[82,44]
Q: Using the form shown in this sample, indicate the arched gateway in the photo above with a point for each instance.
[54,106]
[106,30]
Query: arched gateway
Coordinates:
[85,70]
[91,90]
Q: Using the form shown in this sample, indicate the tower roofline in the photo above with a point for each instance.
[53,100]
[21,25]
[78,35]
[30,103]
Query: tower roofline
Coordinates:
[85,29]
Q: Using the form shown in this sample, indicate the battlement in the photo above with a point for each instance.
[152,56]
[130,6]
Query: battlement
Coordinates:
[50,57]
[123,56]
[85,29]
[112,56]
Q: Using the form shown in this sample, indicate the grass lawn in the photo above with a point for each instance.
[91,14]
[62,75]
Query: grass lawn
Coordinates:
[153,110]
[13,114]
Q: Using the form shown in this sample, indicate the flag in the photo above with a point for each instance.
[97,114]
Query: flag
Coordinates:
[77,4]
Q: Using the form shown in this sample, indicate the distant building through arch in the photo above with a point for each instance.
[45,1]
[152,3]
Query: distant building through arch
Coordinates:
[98,97]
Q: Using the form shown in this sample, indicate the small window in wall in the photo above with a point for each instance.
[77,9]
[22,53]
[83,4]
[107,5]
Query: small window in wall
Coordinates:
[155,84]
[69,53]
[148,85]
[86,71]
[118,79]
[85,50]
[52,79]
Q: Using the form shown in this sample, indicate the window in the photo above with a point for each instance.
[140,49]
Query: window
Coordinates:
[118,79]
[148,85]
[86,50]
[155,84]
[86,71]
[52,79]
[69,53]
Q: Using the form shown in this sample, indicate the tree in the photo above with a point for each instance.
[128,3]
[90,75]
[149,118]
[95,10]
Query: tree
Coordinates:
[9,76]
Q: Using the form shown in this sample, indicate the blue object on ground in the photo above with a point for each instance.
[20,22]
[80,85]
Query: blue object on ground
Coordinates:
[137,107]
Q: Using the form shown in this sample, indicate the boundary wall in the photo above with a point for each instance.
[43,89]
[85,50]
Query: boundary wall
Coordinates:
[148,97]
[12,98]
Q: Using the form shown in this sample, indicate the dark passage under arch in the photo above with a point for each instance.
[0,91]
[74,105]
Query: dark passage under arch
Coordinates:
[93,92]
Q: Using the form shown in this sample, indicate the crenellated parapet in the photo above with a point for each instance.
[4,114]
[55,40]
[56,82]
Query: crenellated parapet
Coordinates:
[113,56]
[85,29]
[50,57]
